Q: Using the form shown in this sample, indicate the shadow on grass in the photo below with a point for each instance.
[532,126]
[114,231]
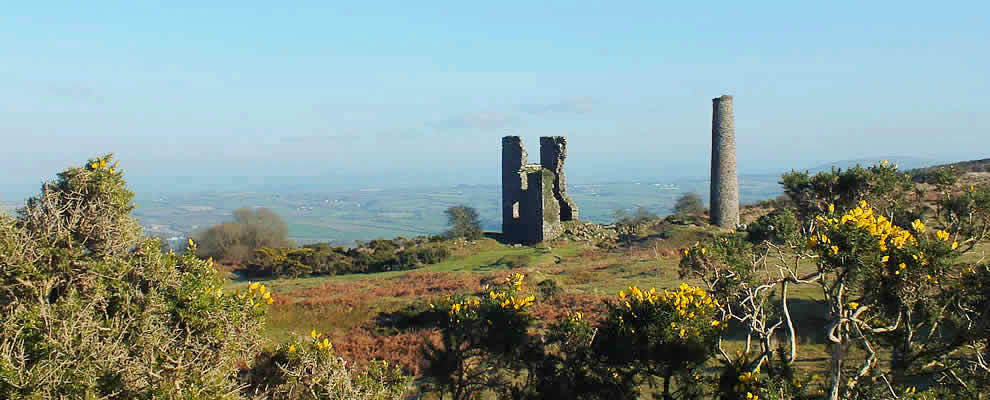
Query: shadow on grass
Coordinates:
[807,316]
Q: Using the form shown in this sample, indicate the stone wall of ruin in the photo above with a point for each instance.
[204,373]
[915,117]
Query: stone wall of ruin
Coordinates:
[534,196]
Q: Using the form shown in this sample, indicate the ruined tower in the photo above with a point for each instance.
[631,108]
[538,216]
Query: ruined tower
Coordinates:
[725,184]
[534,196]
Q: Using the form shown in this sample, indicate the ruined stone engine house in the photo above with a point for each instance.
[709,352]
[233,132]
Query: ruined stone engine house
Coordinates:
[534,196]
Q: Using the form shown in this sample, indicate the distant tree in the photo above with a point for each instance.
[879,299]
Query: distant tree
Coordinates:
[236,241]
[689,204]
[463,222]
[631,225]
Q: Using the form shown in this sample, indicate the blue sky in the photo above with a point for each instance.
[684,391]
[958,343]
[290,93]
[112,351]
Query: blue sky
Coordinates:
[424,90]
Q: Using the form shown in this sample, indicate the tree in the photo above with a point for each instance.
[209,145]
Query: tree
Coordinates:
[236,241]
[463,222]
[689,204]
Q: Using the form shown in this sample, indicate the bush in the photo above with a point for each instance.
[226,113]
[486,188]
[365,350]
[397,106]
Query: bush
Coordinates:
[689,204]
[322,259]
[631,226]
[463,222]
[667,334]
[90,308]
[778,227]
[236,241]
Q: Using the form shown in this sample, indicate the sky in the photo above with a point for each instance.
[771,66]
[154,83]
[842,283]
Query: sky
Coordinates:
[419,92]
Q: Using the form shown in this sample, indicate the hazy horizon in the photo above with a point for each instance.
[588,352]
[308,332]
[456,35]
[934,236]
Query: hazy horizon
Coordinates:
[395,93]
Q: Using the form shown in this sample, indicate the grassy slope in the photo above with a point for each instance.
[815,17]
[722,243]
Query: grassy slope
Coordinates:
[345,305]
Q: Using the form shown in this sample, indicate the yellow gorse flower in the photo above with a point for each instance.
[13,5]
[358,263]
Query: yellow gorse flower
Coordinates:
[689,303]
[880,227]
[942,235]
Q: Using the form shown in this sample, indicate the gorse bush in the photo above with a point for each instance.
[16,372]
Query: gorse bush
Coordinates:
[90,308]
[892,277]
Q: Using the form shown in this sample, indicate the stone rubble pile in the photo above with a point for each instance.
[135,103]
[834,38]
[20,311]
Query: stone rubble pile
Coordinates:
[589,232]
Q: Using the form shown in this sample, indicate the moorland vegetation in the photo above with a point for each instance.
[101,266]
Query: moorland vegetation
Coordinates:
[861,284]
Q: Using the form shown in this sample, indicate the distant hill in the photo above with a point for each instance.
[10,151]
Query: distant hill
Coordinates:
[904,163]
[964,166]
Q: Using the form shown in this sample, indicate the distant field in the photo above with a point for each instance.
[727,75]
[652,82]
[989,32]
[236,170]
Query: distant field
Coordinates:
[341,216]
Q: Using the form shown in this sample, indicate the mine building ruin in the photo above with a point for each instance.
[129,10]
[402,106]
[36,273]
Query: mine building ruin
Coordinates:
[534,196]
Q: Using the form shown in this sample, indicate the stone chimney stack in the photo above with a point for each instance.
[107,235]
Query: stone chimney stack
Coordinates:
[725,184]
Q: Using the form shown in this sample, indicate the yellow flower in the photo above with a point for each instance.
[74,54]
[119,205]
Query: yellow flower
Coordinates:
[190,240]
[685,251]
[835,249]
[702,250]
[253,285]
[918,226]
[942,235]
[292,348]
[955,245]
[269,300]
[971,188]
[94,165]
[111,170]
[853,305]
[715,323]
[831,208]
[103,163]
[884,162]
[315,335]
[884,259]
